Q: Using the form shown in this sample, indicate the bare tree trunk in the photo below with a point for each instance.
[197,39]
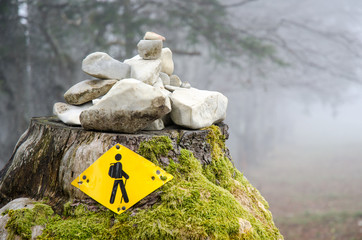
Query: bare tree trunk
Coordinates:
[128,28]
[12,77]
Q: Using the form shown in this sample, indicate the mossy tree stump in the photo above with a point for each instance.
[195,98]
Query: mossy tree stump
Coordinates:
[207,199]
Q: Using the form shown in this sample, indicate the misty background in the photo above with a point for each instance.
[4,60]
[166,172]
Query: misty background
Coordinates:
[290,69]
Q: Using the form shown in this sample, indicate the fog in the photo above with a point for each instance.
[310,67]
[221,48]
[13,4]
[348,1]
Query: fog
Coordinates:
[296,131]
[301,116]
[335,128]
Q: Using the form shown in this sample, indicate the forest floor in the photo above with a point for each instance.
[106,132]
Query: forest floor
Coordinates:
[312,195]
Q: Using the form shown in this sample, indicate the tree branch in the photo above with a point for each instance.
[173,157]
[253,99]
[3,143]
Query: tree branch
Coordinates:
[183,52]
[52,42]
[238,4]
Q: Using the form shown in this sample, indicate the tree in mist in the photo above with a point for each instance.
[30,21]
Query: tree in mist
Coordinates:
[321,46]
[12,76]
[43,43]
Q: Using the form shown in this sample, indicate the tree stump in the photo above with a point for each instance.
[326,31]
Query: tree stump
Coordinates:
[207,199]
[50,154]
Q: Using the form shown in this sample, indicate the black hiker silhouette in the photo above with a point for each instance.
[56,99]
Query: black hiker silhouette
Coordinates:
[116,172]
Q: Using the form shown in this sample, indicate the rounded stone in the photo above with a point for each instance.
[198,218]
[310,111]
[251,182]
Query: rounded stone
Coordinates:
[149,49]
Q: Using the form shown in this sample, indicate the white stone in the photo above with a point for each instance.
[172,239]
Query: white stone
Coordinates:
[167,118]
[185,85]
[137,57]
[195,109]
[147,71]
[18,203]
[129,106]
[149,49]
[165,78]
[155,125]
[244,226]
[3,221]
[36,231]
[166,93]
[69,114]
[153,36]
[101,65]
[95,101]
[15,204]
[175,81]
[167,65]
[159,84]
[88,90]
[171,88]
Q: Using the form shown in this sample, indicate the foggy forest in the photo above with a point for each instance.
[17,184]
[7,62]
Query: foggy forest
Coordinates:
[291,71]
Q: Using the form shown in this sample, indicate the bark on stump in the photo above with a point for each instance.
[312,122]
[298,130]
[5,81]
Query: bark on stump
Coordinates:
[50,154]
[213,201]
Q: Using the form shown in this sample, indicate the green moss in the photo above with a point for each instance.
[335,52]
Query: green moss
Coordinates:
[82,224]
[221,170]
[211,202]
[155,148]
[192,207]
[5,212]
[22,220]
[67,209]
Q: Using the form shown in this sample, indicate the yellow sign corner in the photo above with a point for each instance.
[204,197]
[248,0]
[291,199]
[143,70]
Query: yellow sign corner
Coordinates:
[120,178]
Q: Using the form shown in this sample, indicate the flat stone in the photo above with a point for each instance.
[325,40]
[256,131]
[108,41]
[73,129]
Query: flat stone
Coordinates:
[18,203]
[88,90]
[175,81]
[149,49]
[101,65]
[129,106]
[165,92]
[156,125]
[147,71]
[153,36]
[136,57]
[165,78]
[171,88]
[167,65]
[69,114]
[195,109]
[159,84]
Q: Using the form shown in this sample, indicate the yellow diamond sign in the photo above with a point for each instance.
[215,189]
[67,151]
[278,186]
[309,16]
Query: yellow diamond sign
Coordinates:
[120,178]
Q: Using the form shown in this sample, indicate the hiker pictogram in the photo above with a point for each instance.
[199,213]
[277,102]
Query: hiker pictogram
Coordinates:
[116,172]
[120,178]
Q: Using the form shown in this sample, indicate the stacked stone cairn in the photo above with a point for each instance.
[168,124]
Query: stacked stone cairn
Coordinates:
[140,93]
